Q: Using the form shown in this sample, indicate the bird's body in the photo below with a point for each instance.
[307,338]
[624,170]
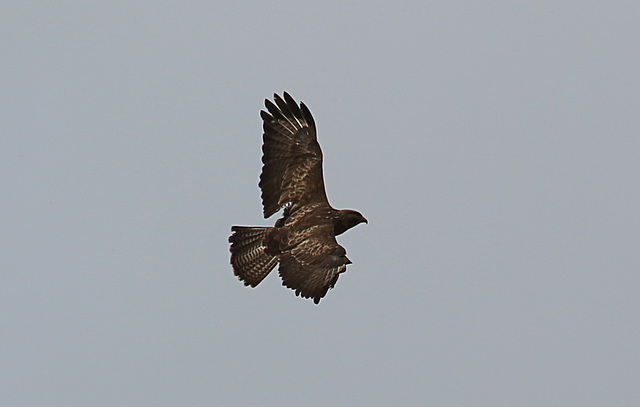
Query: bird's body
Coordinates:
[303,239]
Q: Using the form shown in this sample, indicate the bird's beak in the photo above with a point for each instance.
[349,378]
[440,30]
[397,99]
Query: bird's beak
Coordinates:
[365,220]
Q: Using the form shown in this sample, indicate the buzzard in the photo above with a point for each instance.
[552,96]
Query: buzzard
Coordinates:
[303,240]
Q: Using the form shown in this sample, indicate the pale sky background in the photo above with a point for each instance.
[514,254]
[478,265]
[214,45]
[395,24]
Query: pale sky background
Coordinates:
[493,146]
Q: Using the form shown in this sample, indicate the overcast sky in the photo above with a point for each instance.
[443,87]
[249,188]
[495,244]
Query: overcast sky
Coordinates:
[493,146]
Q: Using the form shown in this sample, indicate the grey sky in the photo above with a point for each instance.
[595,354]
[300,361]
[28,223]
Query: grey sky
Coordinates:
[493,146]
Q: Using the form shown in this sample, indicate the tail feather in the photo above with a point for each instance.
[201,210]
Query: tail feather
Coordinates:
[249,259]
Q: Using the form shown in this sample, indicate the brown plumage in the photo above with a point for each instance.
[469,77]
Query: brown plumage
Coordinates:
[303,241]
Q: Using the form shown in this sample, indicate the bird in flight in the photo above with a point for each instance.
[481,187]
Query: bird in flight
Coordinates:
[303,240]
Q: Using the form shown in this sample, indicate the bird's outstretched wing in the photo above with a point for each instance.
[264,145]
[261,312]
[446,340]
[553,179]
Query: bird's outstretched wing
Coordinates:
[292,171]
[312,267]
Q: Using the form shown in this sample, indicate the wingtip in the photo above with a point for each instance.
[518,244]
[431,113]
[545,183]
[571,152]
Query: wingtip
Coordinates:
[291,100]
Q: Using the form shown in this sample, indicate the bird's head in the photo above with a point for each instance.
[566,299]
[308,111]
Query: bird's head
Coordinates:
[347,219]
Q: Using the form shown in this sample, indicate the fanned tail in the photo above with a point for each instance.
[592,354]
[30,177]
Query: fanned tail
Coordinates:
[250,261]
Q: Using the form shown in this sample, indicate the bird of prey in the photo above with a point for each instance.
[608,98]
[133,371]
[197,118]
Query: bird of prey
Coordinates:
[303,240]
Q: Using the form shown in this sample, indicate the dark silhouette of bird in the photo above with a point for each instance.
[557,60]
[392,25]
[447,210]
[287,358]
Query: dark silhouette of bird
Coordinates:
[303,240]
